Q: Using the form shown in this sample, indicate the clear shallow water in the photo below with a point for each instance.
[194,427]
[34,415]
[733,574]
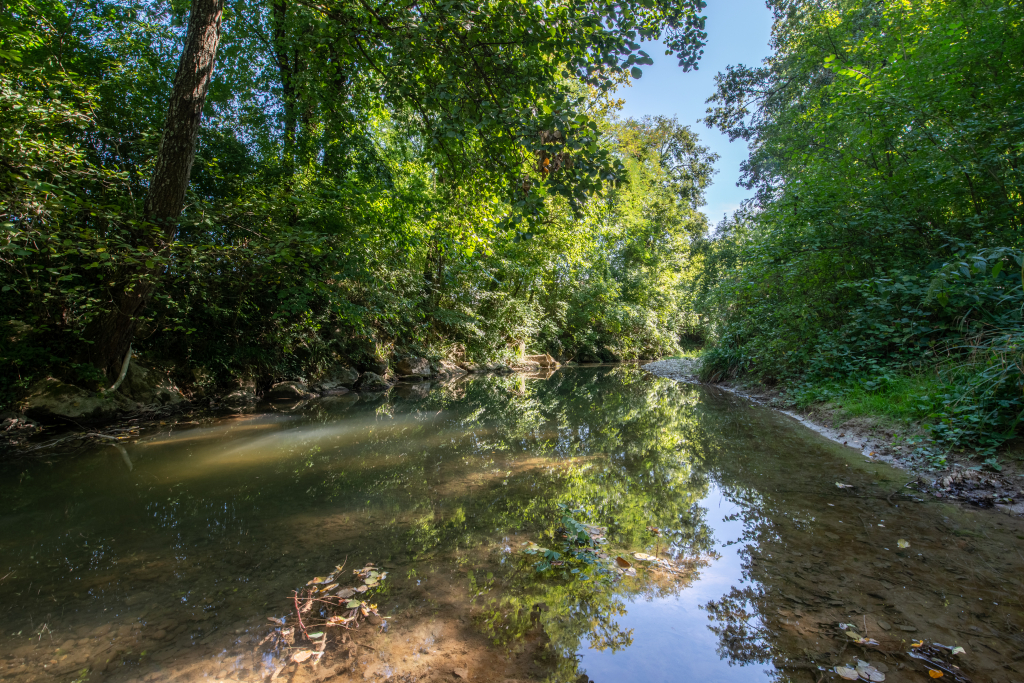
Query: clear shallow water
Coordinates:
[169,568]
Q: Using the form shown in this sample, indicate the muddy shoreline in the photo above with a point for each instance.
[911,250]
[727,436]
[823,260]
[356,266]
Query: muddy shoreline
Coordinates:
[962,479]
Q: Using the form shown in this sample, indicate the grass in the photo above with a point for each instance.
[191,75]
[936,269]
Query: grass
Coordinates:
[904,398]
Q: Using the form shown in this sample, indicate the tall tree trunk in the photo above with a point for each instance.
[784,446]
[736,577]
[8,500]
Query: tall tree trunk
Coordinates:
[287,65]
[112,334]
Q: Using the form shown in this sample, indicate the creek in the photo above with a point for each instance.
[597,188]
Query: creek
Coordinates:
[770,551]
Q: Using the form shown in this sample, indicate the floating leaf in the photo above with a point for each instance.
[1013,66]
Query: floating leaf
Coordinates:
[302,655]
[318,634]
[362,589]
[330,587]
[280,622]
[902,544]
[352,604]
[917,644]
[318,579]
[622,562]
[843,486]
[847,673]
[346,592]
[935,673]
[958,650]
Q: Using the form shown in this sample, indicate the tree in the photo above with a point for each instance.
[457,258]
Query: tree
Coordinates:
[166,194]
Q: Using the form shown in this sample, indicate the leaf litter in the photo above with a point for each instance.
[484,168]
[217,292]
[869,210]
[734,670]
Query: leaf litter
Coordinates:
[320,606]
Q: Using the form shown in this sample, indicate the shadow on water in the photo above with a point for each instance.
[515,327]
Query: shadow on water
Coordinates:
[164,562]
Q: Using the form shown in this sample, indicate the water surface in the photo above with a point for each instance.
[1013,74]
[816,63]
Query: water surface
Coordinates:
[164,562]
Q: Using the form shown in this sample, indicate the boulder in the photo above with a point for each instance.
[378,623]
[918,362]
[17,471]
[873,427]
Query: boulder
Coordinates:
[372,382]
[543,360]
[413,365]
[337,381]
[50,400]
[288,391]
[377,366]
[149,387]
[244,395]
[469,367]
[446,370]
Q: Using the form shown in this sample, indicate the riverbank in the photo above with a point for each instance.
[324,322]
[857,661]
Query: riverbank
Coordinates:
[902,445]
[56,414]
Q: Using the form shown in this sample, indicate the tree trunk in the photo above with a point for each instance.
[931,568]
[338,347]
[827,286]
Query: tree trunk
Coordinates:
[287,65]
[112,334]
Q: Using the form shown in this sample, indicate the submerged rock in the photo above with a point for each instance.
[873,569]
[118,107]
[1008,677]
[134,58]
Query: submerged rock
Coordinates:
[288,391]
[51,400]
[372,382]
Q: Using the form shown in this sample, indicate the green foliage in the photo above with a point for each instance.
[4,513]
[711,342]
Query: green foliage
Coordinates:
[887,231]
[370,177]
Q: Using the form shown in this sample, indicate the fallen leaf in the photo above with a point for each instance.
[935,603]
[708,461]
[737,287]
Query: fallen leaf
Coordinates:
[330,587]
[847,673]
[854,635]
[318,634]
[318,579]
[352,604]
[302,655]
[622,562]
[958,650]
[902,544]
[280,622]
[917,644]
[935,674]
[843,486]
[362,589]
[346,592]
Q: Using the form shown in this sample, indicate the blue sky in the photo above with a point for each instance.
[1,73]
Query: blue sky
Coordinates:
[738,33]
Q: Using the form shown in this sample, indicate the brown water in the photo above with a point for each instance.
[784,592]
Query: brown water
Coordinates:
[166,564]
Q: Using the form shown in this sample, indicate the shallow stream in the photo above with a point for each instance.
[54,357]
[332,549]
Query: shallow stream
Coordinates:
[767,552]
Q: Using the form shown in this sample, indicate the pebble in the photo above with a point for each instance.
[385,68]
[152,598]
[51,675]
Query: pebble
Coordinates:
[885,626]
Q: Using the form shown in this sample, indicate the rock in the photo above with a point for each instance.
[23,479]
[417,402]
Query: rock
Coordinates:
[446,370]
[906,627]
[149,387]
[377,366]
[244,395]
[461,672]
[372,382]
[468,367]
[884,625]
[288,391]
[543,360]
[338,381]
[413,365]
[51,400]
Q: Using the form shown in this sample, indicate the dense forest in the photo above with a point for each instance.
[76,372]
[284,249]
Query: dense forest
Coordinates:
[444,179]
[267,189]
[880,260]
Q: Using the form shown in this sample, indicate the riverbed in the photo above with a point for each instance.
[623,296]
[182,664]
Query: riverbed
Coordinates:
[734,545]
